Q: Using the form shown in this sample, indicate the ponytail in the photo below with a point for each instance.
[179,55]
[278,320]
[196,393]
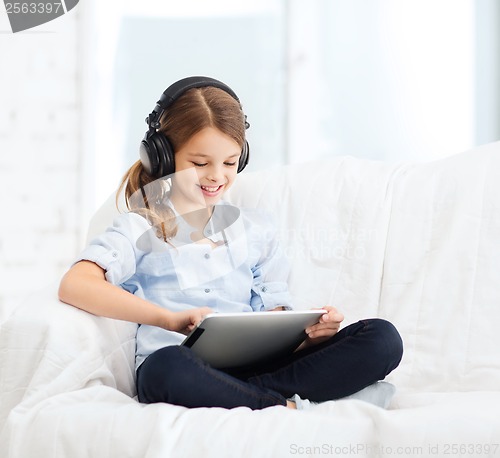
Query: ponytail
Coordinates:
[145,196]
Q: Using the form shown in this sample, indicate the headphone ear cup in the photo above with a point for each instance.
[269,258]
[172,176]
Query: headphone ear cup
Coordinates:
[149,156]
[244,157]
[166,160]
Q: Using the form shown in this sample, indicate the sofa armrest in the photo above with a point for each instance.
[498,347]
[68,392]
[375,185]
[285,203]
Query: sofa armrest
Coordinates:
[49,347]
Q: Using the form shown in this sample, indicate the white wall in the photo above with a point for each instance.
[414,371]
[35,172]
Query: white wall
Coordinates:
[40,145]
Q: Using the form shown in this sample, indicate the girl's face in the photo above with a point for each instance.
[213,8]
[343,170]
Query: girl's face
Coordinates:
[205,167]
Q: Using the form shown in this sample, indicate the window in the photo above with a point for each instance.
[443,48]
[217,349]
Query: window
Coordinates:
[378,79]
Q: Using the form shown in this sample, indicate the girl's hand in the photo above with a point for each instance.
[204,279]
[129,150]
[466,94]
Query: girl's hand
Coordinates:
[328,325]
[186,320]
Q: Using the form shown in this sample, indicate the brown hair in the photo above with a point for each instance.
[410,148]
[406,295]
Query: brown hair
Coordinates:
[193,111]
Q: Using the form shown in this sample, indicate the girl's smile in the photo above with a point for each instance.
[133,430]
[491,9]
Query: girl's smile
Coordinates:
[211,191]
[205,167]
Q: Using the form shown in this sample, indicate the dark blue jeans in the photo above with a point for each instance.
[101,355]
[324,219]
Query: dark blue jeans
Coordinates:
[357,356]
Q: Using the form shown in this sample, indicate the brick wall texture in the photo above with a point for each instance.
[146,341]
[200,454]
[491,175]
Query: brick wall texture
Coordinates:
[40,153]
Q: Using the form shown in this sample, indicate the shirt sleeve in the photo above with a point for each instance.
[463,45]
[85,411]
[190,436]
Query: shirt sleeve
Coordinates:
[270,274]
[116,250]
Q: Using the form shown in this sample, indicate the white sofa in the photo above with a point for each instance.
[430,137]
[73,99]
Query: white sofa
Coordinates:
[418,244]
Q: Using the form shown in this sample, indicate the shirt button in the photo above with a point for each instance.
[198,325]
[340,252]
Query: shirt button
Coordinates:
[114,254]
[209,231]
[207,256]
[207,290]
[263,289]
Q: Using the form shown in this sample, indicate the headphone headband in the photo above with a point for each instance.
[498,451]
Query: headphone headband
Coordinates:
[157,155]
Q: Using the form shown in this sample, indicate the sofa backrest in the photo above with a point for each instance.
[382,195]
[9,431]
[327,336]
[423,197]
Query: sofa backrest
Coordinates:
[415,243]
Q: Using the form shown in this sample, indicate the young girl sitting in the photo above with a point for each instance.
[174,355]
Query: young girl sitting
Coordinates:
[182,252]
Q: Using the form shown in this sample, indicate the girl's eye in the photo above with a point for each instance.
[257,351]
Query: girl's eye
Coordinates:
[229,164]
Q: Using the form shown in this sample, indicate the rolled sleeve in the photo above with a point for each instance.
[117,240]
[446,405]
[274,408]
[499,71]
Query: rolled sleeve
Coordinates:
[115,250]
[269,295]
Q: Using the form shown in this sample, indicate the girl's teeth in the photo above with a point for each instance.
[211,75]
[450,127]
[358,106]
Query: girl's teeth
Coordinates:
[210,189]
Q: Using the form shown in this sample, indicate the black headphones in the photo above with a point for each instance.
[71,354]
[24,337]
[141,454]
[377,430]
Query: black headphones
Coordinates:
[156,152]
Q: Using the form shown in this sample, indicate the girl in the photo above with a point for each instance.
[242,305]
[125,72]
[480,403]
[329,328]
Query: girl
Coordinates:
[182,252]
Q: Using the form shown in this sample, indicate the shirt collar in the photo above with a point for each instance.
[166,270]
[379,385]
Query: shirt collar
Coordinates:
[224,216]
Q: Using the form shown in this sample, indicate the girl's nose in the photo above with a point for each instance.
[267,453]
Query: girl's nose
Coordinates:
[215,174]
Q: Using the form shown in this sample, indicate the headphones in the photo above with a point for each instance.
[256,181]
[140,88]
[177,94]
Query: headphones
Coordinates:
[156,152]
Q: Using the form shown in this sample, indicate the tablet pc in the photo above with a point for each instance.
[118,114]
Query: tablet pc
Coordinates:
[227,340]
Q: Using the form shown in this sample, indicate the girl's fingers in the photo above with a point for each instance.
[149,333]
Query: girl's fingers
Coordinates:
[322,333]
[327,327]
